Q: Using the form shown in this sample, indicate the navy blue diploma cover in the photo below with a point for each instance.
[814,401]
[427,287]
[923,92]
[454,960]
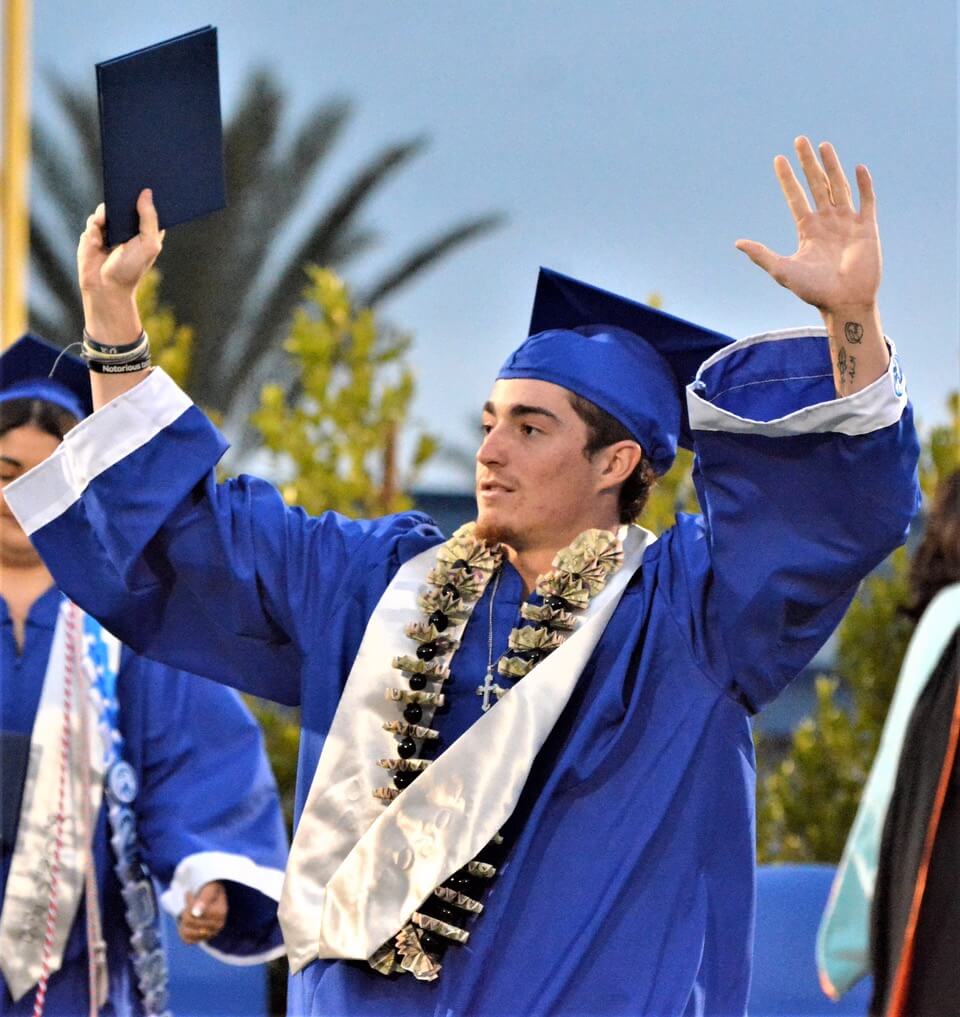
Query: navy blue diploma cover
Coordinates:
[160,128]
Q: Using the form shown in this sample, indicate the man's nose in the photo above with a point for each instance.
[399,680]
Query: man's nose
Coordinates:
[491,449]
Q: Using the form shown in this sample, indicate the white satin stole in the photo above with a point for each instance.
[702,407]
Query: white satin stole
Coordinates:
[359,868]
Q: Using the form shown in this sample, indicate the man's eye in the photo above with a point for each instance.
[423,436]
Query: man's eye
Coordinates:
[486,428]
[529,429]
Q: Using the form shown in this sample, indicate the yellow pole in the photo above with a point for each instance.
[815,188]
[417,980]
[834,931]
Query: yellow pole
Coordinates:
[14,200]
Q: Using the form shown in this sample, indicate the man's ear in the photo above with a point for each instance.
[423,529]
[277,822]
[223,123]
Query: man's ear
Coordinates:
[616,462]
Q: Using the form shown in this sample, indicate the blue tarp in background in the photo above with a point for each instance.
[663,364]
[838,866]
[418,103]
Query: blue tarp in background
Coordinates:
[203,987]
[790,901]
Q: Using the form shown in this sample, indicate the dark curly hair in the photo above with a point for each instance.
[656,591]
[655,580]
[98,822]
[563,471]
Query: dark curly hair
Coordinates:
[937,561]
[604,430]
[46,416]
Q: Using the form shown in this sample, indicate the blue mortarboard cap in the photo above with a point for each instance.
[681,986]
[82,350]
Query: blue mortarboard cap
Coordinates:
[24,374]
[629,359]
[160,127]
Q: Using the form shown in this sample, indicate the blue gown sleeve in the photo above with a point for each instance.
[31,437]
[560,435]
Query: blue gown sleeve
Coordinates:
[802,495]
[223,580]
[208,807]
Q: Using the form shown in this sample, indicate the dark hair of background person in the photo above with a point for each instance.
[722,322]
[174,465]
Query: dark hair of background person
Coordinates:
[604,430]
[47,417]
[937,561]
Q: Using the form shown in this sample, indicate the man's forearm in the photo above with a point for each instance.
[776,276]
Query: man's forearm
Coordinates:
[858,351]
[108,283]
[112,321]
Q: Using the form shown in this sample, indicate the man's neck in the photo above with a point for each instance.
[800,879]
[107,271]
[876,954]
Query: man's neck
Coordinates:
[533,562]
[531,565]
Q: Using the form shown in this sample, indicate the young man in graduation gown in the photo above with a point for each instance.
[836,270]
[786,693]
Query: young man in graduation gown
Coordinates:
[160,778]
[526,777]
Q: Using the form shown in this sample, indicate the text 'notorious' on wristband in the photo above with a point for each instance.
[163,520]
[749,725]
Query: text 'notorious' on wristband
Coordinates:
[99,367]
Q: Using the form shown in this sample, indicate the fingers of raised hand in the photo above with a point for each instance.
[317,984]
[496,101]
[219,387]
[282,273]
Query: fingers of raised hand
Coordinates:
[792,191]
[760,255]
[827,182]
[817,179]
[839,187]
[93,233]
[91,252]
[151,236]
[868,200]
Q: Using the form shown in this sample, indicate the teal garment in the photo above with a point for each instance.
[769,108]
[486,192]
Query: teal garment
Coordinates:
[843,940]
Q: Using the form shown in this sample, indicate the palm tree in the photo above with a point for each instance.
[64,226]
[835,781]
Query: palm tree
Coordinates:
[226,275]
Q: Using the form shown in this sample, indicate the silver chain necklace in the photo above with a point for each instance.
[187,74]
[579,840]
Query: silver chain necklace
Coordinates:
[490,692]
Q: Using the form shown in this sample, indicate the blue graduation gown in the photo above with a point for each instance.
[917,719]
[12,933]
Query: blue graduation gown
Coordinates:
[629,885]
[205,785]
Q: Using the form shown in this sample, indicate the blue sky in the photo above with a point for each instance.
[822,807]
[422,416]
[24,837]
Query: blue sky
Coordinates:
[630,144]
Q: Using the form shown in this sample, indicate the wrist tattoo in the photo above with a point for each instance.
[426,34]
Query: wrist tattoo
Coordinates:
[846,366]
[853,332]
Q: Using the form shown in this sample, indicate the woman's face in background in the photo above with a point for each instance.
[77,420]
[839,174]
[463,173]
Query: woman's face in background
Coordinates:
[21,448]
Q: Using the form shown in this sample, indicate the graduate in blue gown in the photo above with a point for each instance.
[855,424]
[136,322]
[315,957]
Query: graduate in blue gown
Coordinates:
[178,773]
[526,780]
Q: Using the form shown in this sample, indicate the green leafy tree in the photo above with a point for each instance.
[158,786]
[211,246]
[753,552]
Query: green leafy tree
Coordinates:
[171,344]
[808,801]
[674,492]
[336,440]
[942,453]
[235,276]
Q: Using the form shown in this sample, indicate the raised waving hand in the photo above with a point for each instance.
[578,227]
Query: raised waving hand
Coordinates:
[837,265]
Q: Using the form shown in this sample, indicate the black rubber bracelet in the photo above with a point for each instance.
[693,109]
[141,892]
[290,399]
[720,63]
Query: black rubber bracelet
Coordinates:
[137,365]
[112,350]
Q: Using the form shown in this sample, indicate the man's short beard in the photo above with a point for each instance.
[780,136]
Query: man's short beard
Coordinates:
[496,533]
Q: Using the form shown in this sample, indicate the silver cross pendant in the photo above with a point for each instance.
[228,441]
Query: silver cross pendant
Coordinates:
[489,691]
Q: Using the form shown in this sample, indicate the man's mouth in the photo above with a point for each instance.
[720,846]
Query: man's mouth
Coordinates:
[494,487]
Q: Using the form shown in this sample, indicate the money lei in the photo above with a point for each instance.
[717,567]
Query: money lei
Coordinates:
[464,567]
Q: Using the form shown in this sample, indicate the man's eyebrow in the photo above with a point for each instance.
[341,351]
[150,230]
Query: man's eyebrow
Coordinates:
[10,461]
[522,410]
